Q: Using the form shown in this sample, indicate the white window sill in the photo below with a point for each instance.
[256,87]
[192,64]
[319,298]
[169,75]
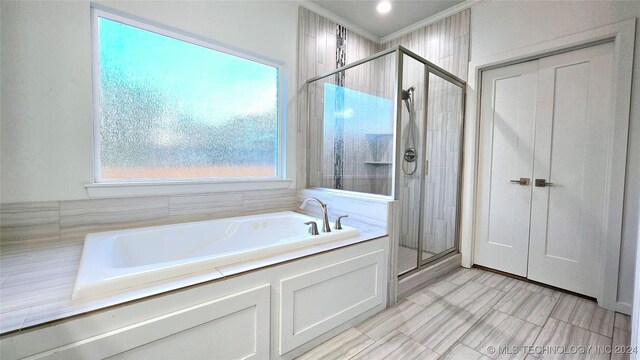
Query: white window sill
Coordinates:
[134,189]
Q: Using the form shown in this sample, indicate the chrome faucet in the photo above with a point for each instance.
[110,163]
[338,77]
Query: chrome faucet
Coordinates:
[325,218]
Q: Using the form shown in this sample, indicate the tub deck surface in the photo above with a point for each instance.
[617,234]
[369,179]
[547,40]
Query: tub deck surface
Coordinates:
[38,280]
[115,261]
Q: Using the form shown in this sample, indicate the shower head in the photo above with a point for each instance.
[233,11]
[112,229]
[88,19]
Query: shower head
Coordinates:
[406,97]
[406,94]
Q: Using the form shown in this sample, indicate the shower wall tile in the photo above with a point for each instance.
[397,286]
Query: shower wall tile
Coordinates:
[445,43]
[316,56]
[78,218]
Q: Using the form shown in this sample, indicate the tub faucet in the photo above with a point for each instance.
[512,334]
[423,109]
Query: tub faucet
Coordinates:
[325,218]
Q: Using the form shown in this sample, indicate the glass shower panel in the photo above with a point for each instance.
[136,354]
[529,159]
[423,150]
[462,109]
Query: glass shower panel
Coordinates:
[412,123]
[441,186]
[351,127]
[352,145]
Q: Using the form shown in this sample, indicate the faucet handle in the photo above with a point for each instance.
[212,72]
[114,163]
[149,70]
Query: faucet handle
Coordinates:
[338,225]
[313,230]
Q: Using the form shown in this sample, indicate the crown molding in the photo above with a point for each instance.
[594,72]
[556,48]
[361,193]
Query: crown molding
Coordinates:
[381,40]
[430,20]
[338,19]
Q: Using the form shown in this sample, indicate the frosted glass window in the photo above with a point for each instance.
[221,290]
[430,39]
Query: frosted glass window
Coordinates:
[172,109]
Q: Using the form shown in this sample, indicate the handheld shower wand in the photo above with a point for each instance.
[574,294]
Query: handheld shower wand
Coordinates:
[409,165]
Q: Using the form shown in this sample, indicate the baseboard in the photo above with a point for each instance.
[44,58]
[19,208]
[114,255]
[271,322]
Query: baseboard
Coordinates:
[624,308]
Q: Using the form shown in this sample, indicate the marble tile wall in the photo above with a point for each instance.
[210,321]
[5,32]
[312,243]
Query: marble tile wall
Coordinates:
[317,55]
[445,43]
[368,142]
[410,193]
[36,222]
[444,153]
[26,226]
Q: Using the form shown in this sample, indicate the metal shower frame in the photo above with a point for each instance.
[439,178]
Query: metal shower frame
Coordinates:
[430,68]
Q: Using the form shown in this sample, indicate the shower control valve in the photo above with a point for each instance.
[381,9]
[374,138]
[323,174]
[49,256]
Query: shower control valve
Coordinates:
[410,155]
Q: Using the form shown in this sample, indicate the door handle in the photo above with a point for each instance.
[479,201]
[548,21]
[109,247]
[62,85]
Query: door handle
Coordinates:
[543,183]
[521,181]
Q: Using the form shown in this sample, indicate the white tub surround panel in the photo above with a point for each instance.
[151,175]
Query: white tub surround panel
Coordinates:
[37,283]
[359,282]
[224,319]
[232,327]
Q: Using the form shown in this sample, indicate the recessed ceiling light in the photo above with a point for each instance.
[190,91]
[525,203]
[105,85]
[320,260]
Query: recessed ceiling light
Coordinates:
[383,7]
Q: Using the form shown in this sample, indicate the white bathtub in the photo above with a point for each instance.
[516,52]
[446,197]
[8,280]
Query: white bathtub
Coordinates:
[118,260]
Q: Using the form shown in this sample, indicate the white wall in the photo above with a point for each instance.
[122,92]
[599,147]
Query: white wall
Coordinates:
[46,131]
[500,26]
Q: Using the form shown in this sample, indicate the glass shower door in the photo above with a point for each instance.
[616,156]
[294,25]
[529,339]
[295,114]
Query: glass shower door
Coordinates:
[431,128]
[412,126]
[439,233]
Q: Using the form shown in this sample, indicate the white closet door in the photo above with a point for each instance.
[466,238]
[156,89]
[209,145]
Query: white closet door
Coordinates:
[572,149]
[508,105]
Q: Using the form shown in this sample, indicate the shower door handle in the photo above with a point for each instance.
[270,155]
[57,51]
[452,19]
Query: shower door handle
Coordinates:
[521,181]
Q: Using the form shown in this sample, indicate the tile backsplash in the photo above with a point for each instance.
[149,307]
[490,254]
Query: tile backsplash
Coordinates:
[31,222]
[55,222]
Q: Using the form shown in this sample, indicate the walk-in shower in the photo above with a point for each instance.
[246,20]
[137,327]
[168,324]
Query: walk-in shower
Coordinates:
[392,125]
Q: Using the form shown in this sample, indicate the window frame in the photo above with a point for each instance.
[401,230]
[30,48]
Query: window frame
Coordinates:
[100,188]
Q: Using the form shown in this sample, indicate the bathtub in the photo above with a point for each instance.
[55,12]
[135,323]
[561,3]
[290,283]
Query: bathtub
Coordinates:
[119,260]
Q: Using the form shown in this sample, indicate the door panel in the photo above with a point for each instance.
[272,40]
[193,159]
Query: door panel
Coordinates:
[231,327]
[573,126]
[508,106]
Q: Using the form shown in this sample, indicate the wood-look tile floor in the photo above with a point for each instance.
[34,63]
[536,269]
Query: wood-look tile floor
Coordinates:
[477,314]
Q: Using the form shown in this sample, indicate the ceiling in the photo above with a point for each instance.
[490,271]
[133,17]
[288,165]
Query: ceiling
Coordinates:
[403,13]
